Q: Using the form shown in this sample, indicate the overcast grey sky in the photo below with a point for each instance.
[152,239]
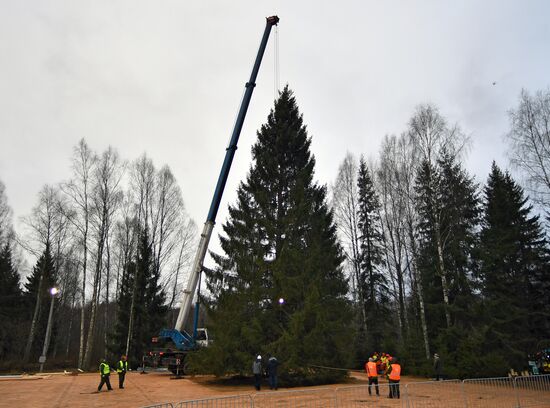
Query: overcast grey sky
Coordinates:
[166,78]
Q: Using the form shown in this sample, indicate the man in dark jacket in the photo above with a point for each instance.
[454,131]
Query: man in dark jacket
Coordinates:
[438,367]
[272,365]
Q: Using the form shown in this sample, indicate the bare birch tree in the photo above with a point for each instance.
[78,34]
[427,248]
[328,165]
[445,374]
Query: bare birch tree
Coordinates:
[393,205]
[107,176]
[45,227]
[79,190]
[431,137]
[6,228]
[529,138]
[345,203]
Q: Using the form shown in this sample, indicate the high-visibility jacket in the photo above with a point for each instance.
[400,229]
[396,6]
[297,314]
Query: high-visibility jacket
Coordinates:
[371,370]
[395,373]
[122,366]
[104,369]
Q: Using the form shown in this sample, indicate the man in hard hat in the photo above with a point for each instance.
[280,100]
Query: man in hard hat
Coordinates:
[394,376]
[104,372]
[257,371]
[372,373]
[121,368]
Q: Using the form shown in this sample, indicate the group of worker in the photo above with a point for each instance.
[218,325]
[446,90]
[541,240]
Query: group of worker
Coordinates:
[386,365]
[270,371]
[105,373]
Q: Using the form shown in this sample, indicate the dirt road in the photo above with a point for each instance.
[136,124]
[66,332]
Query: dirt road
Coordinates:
[139,390]
[142,390]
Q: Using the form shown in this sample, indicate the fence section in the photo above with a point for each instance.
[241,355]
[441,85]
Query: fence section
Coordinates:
[504,392]
[533,391]
[435,394]
[236,401]
[364,396]
[491,393]
[312,398]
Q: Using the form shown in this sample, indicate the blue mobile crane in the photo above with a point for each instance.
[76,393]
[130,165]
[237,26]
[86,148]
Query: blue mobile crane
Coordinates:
[172,345]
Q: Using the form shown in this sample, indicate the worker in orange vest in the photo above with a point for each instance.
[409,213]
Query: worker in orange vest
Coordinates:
[372,373]
[394,376]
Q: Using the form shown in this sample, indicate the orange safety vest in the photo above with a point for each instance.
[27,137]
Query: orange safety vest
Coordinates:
[395,374]
[371,370]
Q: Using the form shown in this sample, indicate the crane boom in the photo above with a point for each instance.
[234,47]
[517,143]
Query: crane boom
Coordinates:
[187,295]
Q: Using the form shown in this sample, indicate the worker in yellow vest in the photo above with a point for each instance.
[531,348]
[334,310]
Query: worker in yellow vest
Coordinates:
[121,368]
[372,373]
[104,372]
[394,376]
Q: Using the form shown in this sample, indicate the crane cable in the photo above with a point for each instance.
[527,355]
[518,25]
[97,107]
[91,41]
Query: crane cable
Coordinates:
[276,85]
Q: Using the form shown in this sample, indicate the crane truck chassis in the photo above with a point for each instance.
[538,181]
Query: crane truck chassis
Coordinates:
[171,346]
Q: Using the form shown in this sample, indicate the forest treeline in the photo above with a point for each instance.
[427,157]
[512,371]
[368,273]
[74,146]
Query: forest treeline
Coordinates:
[405,252]
[116,240]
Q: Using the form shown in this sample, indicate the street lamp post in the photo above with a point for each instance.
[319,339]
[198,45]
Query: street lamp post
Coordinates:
[42,359]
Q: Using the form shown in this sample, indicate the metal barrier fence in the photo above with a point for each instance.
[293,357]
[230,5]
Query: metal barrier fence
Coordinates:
[235,401]
[533,391]
[312,398]
[491,393]
[434,394]
[503,392]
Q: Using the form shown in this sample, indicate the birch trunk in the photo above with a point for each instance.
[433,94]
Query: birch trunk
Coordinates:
[30,339]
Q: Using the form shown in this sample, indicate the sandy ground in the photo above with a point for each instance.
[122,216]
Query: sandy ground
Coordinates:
[142,390]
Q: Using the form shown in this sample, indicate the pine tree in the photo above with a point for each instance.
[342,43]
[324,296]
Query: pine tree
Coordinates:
[279,243]
[513,270]
[10,304]
[373,288]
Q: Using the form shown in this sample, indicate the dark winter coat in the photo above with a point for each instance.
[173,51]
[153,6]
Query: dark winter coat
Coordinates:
[438,366]
[272,365]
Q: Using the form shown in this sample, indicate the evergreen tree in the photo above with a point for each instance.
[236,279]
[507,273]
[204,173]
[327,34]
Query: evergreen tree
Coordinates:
[429,204]
[513,270]
[10,304]
[460,218]
[119,337]
[279,243]
[155,297]
[373,286]
[448,205]
[141,304]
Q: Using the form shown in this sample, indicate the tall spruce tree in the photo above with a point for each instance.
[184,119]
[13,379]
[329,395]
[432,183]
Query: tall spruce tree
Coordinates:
[141,309]
[10,305]
[449,212]
[119,337]
[373,285]
[279,243]
[513,271]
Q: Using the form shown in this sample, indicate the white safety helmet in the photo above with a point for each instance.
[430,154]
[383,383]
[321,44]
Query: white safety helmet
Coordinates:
[259,357]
